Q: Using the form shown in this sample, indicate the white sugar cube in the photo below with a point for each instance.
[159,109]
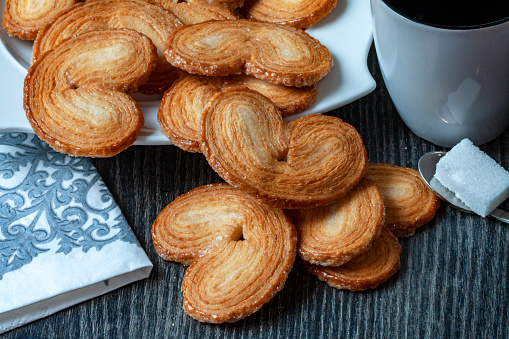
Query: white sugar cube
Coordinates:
[474,177]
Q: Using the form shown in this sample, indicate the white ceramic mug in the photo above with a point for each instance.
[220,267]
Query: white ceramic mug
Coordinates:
[446,84]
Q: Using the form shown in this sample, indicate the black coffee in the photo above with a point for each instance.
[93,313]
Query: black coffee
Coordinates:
[452,13]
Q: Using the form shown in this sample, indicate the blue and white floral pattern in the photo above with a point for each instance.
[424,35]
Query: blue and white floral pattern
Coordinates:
[51,202]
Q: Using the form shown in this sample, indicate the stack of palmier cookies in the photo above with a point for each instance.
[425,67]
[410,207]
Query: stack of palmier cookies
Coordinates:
[314,169]
[271,55]
[229,72]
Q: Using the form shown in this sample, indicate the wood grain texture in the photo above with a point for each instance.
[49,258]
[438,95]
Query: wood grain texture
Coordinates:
[453,281]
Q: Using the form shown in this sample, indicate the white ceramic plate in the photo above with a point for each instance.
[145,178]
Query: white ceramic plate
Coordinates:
[346,32]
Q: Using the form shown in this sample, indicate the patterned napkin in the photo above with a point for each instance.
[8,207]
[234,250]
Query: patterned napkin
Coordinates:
[63,239]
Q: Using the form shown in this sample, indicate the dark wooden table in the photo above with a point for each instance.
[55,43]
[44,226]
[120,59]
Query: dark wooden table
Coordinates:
[453,281]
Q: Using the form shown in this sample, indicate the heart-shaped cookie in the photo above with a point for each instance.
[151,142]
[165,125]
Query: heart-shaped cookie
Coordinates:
[74,95]
[409,203]
[334,234]
[275,53]
[368,270]
[24,18]
[240,250]
[304,163]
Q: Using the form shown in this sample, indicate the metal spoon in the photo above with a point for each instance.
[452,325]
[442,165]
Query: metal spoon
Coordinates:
[427,167]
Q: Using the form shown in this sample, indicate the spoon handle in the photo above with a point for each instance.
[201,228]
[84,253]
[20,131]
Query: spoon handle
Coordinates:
[500,215]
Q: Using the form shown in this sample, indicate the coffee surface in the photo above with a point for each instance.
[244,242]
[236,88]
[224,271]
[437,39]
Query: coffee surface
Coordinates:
[452,13]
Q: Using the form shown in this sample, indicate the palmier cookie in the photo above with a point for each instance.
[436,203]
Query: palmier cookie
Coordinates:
[24,18]
[299,13]
[271,52]
[307,162]
[195,12]
[74,94]
[409,203]
[334,234]
[368,270]
[183,104]
[240,251]
[140,15]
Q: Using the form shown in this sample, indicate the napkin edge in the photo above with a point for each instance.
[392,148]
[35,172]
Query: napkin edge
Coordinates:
[11,319]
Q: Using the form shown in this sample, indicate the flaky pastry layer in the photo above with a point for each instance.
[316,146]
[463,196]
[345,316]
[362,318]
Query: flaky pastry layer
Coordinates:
[182,106]
[296,13]
[74,95]
[24,18]
[368,270]
[334,234]
[308,162]
[409,203]
[271,52]
[195,11]
[231,4]
[240,250]
[142,16]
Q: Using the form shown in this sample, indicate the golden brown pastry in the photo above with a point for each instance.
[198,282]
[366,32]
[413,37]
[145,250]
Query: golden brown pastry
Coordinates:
[308,162]
[409,203]
[271,52]
[183,104]
[24,18]
[334,234]
[74,94]
[240,251]
[231,4]
[296,13]
[195,12]
[140,15]
[288,100]
[369,270]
